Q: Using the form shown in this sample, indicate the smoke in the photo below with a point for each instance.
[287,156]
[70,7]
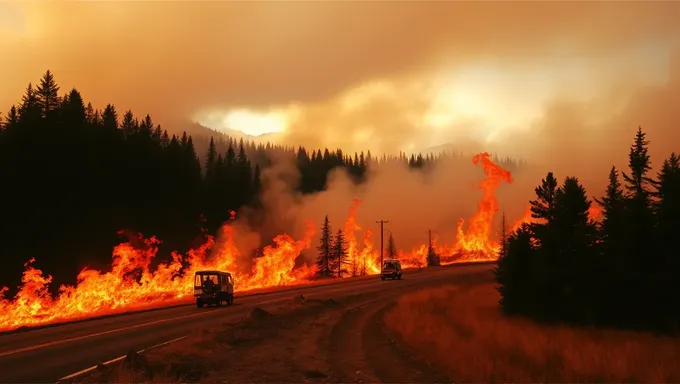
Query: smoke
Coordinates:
[561,84]
[413,201]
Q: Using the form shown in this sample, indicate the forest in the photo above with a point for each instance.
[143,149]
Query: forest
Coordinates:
[623,271]
[78,179]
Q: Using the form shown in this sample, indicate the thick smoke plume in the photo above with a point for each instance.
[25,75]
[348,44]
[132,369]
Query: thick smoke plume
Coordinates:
[414,201]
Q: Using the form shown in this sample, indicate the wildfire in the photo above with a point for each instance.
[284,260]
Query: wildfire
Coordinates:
[132,285]
[475,244]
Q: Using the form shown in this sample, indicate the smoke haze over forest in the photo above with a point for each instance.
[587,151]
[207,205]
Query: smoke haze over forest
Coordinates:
[562,84]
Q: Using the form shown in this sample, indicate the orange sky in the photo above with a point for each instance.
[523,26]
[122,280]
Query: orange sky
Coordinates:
[533,79]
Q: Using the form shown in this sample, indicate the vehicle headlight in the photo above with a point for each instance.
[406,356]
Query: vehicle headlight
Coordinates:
[197,291]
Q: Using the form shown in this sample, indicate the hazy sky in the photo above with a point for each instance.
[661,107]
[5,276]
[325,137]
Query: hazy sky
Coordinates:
[537,79]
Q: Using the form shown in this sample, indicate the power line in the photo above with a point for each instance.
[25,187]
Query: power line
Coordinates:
[382,232]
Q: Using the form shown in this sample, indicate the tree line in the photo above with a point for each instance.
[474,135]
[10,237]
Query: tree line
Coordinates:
[623,271]
[333,259]
[74,175]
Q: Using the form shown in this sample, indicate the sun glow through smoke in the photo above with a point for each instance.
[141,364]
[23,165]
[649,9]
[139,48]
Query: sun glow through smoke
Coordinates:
[249,122]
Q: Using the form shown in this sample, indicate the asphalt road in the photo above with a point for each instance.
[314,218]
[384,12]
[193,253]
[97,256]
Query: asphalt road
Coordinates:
[46,355]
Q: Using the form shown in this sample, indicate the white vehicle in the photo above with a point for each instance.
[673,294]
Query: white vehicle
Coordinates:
[213,287]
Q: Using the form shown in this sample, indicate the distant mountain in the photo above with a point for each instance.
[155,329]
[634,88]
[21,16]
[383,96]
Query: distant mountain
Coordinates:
[197,130]
[463,147]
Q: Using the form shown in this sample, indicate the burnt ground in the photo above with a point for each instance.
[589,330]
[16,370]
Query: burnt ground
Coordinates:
[336,340]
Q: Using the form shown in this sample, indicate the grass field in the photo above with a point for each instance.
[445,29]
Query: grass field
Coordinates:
[461,331]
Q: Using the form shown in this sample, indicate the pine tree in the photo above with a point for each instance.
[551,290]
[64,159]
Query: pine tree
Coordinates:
[74,113]
[89,114]
[128,125]
[157,135]
[12,118]
[433,258]
[613,205]
[572,267]
[192,163]
[667,209]
[29,109]
[340,254]
[667,193]
[391,247]
[97,118]
[110,118]
[639,162]
[641,255]
[547,238]
[325,248]
[146,127]
[503,234]
[165,140]
[544,206]
[514,274]
[47,94]
[610,262]
[211,161]
[243,175]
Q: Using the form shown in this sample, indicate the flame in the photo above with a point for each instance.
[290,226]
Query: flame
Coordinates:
[594,212]
[131,284]
[475,244]
[526,219]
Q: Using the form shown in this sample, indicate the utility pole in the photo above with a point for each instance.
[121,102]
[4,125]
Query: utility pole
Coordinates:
[429,247]
[382,232]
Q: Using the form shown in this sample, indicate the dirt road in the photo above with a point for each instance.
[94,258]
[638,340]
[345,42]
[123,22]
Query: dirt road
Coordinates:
[334,337]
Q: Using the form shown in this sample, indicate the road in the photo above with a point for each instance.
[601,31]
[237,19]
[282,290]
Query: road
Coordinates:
[46,355]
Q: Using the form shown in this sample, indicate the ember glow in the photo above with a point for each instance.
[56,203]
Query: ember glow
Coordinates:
[131,284]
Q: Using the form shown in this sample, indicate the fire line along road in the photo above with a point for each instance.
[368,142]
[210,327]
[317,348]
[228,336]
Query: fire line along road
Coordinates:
[50,354]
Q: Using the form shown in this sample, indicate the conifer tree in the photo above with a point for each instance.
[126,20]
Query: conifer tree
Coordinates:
[514,273]
[47,94]
[613,205]
[29,108]
[641,256]
[391,247]
[667,209]
[12,118]
[211,161]
[128,125]
[110,118]
[571,268]
[433,258]
[325,248]
[340,253]
[544,206]
[74,112]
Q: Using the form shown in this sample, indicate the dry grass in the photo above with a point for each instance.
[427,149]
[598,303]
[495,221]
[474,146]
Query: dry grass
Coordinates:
[461,331]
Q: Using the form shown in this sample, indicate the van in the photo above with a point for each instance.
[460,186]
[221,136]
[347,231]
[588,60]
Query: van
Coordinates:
[213,287]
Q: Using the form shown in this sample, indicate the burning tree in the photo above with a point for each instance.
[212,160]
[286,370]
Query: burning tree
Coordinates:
[503,235]
[433,258]
[339,253]
[325,248]
[391,247]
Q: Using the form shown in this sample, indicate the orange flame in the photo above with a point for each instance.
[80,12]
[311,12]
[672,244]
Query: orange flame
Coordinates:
[594,212]
[475,243]
[132,285]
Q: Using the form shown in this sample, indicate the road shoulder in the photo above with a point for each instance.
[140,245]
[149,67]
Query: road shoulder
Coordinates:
[305,340]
